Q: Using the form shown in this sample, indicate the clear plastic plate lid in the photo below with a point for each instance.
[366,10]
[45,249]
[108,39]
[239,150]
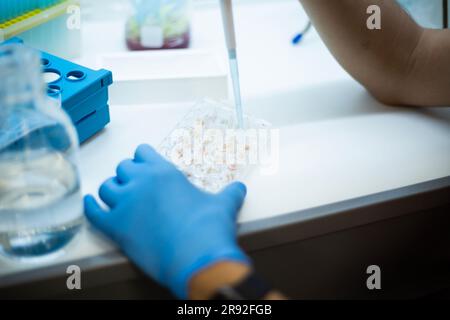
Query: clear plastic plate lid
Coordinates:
[209,149]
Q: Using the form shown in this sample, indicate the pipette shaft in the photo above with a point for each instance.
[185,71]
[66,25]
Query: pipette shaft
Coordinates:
[230,38]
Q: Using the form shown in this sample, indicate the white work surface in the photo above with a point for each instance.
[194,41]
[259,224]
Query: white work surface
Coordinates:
[336,142]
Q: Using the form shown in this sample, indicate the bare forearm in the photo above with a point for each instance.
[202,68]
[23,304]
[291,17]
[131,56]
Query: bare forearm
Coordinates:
[393,63]
[428,78]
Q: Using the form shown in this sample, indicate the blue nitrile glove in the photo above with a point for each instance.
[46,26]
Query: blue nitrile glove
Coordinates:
[166,225]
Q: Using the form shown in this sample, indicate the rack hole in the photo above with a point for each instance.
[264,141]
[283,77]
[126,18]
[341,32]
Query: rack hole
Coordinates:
[53,90]
[51,75]
[75,75]
[45,62]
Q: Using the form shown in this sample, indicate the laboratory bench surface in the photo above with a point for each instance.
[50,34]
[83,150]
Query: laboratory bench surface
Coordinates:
[358,183]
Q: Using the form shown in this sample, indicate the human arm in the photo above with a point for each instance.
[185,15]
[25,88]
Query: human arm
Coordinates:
[400,64]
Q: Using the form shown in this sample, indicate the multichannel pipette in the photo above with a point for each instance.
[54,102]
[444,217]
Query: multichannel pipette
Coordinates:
[230,37]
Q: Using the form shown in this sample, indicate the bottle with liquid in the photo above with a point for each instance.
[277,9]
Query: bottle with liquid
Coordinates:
[158,24]
[40,200]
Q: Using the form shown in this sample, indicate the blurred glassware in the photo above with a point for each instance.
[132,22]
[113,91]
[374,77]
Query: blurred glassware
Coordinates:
[41,206]
[105,9]
[159,24]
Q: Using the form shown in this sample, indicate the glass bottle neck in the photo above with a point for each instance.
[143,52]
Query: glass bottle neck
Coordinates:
[20,71]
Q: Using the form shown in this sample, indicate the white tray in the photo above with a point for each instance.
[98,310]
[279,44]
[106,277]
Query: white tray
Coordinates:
[166,76]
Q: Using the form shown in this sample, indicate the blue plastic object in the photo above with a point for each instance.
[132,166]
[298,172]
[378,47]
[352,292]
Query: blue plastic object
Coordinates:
[299,37]
[93,123]
[83,92]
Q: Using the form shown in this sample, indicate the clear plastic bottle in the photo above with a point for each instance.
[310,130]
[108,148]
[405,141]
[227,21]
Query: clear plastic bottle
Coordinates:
[159,24]
[40,200]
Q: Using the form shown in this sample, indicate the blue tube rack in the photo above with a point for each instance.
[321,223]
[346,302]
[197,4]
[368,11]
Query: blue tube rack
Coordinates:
[83,92]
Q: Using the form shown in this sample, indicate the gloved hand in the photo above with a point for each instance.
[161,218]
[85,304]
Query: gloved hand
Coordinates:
[167,226]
